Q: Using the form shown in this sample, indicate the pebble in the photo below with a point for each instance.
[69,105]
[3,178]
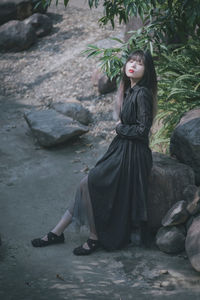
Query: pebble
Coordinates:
[164,272]
[10,184]
[164,284]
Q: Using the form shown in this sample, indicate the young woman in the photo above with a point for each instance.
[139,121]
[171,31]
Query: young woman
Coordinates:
[114,194]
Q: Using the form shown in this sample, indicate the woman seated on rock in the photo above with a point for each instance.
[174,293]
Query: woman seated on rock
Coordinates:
[113,195]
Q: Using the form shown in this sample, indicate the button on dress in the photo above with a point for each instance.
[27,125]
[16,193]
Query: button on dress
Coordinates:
[118,183]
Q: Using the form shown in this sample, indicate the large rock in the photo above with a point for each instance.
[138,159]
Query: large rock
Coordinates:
[41,23]
[134,23]
[176,215]
[51,128]
[185,141]
[193,206]
[171,239]
[16,36]
[19,9]
[192,243]
[190,192]
[75,110]
[96,75]
[189,222]
[109,42]
[8,11]
[102,82]
[14,10]
[167,182]
[105,85]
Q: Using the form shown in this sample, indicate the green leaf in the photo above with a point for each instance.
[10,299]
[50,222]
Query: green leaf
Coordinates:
[116,39]
[66,2]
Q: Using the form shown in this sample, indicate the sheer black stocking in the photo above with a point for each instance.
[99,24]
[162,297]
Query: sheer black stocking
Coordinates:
[80,208]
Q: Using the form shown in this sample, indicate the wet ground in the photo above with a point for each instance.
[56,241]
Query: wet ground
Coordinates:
[37,184]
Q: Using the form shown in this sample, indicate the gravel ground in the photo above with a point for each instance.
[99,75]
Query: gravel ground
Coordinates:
[54,69]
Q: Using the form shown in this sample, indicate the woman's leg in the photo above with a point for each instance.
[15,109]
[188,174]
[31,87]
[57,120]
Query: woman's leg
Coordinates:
[82,198]
[85,197]
[61,225]
[83,204]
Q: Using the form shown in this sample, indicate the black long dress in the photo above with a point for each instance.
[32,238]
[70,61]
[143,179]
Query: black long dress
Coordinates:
[118,183]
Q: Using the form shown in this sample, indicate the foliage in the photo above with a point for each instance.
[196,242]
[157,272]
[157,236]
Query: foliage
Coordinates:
[112,59]
[123,10]
[174,19]
[168,25]
[179,87]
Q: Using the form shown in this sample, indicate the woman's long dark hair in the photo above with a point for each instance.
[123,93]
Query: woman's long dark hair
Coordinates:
[148,80]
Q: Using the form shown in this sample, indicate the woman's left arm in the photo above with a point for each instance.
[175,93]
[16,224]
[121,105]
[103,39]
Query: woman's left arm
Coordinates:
[141,129]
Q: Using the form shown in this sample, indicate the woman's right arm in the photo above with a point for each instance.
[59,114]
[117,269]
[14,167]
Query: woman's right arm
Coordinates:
[141,129]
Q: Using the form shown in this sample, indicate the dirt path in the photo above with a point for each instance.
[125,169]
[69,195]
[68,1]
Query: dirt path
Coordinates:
[37,184]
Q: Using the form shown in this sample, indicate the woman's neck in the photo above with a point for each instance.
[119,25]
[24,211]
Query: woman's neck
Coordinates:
[133,82]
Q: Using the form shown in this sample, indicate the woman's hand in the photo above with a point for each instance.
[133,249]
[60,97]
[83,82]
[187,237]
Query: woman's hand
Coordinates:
[117,125]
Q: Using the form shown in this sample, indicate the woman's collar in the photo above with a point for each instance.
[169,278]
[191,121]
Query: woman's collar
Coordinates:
[136,86]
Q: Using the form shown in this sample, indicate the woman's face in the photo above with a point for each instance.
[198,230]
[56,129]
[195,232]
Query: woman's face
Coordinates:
[134,69]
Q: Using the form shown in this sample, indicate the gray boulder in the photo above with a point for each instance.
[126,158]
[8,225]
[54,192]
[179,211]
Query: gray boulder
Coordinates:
[105,85]
[51,128]
[14,10]
[96,74]
[192,243]
[16,36]
[185,141]
[167,181]
[109,42]
[75,110]
[176,215]
[41,23]
[189,193]
[189,222]
[102,82]
[171,239]
[8,11]
[134,23]
[24,9]
[193,206]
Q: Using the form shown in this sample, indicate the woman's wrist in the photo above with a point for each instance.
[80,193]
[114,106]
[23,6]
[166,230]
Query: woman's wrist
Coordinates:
[118,128]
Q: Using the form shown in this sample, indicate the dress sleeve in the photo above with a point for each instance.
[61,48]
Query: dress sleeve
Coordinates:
[141,129]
